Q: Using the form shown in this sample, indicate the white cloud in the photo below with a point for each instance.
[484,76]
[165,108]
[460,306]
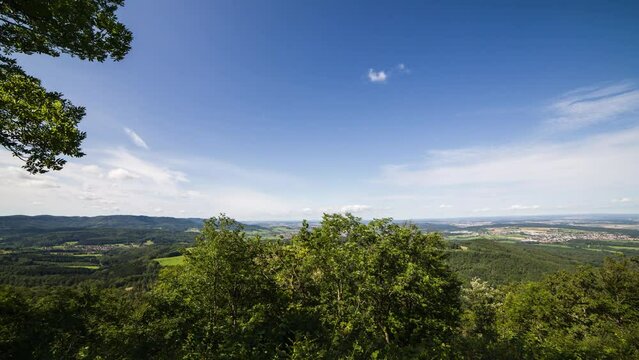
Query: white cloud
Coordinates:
[518,178]
[524,207]
[596,159]
[17,176]
[382,75]
[88,196]
[121,174]
[139,168]
[354,208]
[589,106]
[150,185]
[92,169]
[377,76]
[135,138]
[585,173]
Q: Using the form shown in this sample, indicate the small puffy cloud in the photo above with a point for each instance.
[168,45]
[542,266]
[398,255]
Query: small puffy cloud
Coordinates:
[622,200]
[377,76]
[445,206]
[382,76]
[135,138]
[121,174]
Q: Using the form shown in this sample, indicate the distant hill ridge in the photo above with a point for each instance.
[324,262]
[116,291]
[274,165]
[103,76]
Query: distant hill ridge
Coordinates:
[50,222]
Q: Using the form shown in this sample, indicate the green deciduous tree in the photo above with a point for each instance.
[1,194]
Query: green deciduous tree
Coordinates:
[376,290]
[36,125]
[480,304]
[342,290]
[590,314]
[231,301]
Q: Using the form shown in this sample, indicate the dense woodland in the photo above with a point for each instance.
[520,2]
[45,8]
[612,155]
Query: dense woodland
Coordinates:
[342,290]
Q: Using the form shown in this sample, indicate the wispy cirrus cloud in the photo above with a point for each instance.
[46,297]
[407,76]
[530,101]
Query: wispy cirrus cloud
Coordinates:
[529,177]
[601,157]
[588,106]
[135,138]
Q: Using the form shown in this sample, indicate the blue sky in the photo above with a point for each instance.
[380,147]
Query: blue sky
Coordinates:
[287,109]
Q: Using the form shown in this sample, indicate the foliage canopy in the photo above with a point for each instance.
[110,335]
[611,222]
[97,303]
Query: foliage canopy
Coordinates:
[342,290]
[36,125]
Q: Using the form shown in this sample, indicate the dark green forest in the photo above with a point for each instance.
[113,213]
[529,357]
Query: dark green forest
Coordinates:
[344,289]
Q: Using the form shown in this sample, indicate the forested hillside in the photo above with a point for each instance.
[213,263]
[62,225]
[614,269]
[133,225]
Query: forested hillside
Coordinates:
[341,290]
[21,223]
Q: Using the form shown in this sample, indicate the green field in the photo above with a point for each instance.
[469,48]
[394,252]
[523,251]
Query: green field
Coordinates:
[171,261]
[90,267]
[634,248]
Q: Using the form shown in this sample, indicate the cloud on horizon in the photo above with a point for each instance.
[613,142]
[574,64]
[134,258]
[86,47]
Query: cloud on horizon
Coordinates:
[592,173]
[121,181]
[595,160]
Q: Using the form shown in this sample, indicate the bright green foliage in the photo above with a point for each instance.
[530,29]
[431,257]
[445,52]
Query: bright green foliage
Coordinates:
[38,126]
[376,290]
[228,287]
[590,314]
[342,290]
[232,301]
[480,303]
